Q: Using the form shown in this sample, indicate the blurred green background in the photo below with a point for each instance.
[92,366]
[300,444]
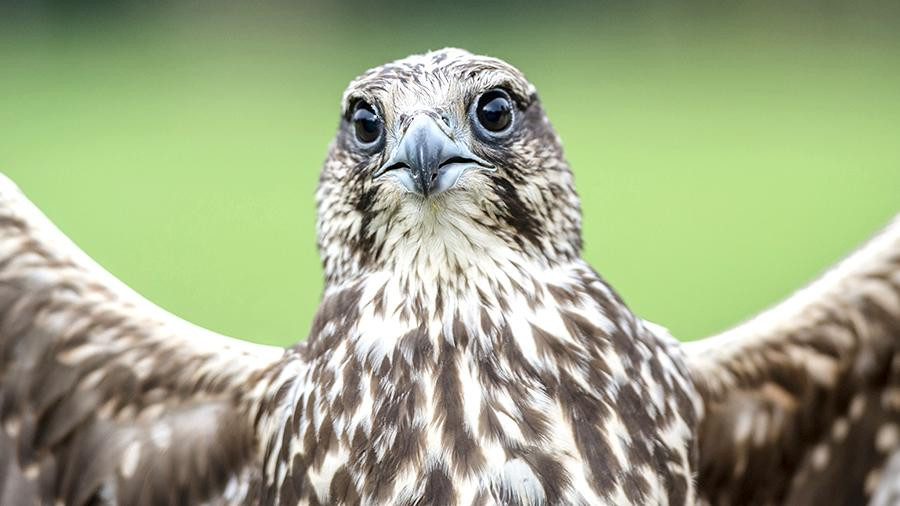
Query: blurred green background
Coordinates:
[725,152]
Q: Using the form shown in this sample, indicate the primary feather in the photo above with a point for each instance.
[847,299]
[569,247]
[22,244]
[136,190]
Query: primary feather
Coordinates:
[463,352]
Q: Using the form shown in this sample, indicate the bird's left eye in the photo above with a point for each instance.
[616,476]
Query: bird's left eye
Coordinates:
[494,111]
[366,123]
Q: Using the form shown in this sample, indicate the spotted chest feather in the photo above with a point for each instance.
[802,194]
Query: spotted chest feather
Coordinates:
[553,395]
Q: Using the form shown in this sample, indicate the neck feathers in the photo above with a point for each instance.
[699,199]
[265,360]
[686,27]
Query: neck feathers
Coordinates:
[463,297]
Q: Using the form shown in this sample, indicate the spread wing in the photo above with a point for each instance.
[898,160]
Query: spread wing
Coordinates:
[104,397]
[802,403]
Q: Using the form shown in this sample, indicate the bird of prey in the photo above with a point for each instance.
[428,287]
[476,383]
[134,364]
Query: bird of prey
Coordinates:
[463,352]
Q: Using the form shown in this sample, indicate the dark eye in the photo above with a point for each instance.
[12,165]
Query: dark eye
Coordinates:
[494,110]
[366,123]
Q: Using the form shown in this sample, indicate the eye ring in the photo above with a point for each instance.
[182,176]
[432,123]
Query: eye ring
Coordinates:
[493,113]
[368,127]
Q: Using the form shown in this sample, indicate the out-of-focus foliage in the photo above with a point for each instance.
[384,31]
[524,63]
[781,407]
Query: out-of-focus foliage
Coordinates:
[724,155]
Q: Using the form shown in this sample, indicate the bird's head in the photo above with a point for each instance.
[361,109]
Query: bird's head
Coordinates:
[442,157]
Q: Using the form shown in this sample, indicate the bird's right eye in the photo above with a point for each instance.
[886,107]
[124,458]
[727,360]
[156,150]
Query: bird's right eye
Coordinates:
[366,123]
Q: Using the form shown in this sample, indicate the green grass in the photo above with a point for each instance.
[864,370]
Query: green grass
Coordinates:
[722,161]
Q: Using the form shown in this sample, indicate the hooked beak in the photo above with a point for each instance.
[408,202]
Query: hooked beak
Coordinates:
[427,161]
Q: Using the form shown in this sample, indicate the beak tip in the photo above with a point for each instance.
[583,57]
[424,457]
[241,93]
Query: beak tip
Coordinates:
[429,157]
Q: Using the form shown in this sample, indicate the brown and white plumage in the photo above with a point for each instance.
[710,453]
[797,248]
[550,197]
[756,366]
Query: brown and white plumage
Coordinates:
[463,352]
[102,394]
[803,401]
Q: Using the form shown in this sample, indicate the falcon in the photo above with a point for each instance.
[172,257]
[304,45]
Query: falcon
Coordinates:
[463,353]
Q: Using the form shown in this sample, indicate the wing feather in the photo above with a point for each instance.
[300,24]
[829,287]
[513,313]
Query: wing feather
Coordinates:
[795,399]
[105,397]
